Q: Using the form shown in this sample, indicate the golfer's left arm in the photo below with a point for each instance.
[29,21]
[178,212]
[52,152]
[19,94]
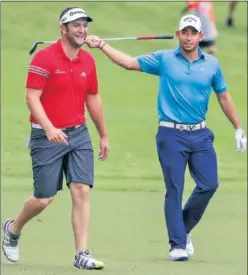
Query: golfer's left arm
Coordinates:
[229,109]
[95,109]
[226,103]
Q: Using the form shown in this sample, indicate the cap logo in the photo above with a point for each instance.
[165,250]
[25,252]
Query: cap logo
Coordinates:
[190,19]
[75,12]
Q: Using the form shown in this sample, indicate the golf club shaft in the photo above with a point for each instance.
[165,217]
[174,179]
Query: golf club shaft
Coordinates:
[36,43]
[124,38]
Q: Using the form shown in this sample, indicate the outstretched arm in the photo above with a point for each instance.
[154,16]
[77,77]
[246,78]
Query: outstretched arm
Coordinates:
[126,61]
[149,63]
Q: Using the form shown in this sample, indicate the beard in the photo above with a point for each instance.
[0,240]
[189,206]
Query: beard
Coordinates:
[75,42]
[189,50]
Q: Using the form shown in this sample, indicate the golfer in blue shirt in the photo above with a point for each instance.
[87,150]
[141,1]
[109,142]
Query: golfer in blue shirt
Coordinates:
[186,77]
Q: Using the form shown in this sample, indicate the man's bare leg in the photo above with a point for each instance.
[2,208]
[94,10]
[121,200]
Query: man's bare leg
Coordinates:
[80,194]
[80,214]
[31,208]
[12,228]
[231,8]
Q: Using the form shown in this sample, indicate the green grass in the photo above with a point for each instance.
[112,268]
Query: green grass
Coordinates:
[127,226]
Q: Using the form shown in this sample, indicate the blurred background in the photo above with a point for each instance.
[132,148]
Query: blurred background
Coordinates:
[135,210]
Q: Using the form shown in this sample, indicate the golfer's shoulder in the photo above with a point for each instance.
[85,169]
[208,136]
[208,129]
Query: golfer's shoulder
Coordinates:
[211,60]
[45,54]
[87,56]
[162,53]
[168,52]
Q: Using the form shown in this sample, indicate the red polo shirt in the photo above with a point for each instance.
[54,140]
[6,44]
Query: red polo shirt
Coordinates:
[64,84]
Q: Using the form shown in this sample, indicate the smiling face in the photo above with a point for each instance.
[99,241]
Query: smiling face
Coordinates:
[189,39]
[75,32]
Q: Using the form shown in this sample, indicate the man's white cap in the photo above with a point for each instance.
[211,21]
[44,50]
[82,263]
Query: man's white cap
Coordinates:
[190,21]
[74,14]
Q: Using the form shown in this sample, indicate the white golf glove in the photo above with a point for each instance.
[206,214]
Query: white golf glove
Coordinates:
[241,140]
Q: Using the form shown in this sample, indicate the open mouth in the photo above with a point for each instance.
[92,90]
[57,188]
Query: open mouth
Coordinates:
[79,36]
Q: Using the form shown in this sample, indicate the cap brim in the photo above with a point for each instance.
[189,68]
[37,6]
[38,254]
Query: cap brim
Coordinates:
[89,19]
[182,28]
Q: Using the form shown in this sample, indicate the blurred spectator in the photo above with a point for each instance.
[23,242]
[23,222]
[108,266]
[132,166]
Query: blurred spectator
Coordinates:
[231,8]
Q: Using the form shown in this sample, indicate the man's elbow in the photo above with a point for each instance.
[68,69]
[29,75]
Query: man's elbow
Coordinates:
[132,64]
[32,96]
[29,100]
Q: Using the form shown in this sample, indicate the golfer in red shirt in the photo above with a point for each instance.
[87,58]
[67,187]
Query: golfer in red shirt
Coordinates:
[61,80]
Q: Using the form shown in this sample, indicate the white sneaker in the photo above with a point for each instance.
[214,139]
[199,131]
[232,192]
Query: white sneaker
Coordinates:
[177,254]
[10,244]
[189,246]
[83,260]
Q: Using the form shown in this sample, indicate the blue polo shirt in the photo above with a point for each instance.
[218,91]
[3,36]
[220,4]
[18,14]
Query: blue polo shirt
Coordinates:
[184,87]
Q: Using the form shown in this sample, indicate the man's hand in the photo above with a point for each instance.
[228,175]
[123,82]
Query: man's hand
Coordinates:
[93,41]
[104,148]
[241,140]
[56,135]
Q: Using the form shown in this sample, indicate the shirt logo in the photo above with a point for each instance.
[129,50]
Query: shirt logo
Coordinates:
[58,71]
[83,74]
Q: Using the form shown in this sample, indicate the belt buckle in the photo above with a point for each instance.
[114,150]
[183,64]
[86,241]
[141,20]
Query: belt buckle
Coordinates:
[181,127]
[191,127]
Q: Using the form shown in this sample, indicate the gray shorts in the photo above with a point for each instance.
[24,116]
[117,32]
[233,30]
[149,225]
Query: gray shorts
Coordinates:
[51,160]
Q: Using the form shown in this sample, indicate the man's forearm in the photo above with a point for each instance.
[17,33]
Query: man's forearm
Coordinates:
[38,112]
[100,125]
[118,57]
[95,110]
[230,111]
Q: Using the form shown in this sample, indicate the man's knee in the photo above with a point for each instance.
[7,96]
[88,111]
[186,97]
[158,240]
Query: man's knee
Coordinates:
[42,202]
[80,190]
[213,189]
[210,190]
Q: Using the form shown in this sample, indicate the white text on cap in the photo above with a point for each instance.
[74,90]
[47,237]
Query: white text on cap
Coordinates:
[74,14]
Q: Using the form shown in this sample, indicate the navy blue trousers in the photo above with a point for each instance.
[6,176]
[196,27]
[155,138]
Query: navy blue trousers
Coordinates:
[175,150]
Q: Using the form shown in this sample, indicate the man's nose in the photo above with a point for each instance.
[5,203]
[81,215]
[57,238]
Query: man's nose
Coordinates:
[82,29]
[189,36]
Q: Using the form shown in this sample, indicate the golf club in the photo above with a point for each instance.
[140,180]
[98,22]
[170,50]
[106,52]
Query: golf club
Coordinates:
[36,43]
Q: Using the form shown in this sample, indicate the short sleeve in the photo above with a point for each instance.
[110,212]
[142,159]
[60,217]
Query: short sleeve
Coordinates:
[150,63]
[38,71]
[93,85]
[219,83]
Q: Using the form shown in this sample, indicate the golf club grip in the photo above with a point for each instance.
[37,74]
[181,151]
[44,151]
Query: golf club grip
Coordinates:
[155,37]
[34,46]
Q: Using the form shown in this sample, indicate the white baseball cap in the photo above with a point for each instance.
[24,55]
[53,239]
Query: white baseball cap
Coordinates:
[190,21]
[74,14]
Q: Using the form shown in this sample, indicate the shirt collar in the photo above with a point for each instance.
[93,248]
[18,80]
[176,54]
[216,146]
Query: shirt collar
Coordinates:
[61,53]
[202,55]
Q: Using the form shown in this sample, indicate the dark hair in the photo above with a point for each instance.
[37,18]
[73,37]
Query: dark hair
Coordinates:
[65,11]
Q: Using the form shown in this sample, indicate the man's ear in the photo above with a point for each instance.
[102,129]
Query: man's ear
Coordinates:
[201,36]
[177,33]
[63,29]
